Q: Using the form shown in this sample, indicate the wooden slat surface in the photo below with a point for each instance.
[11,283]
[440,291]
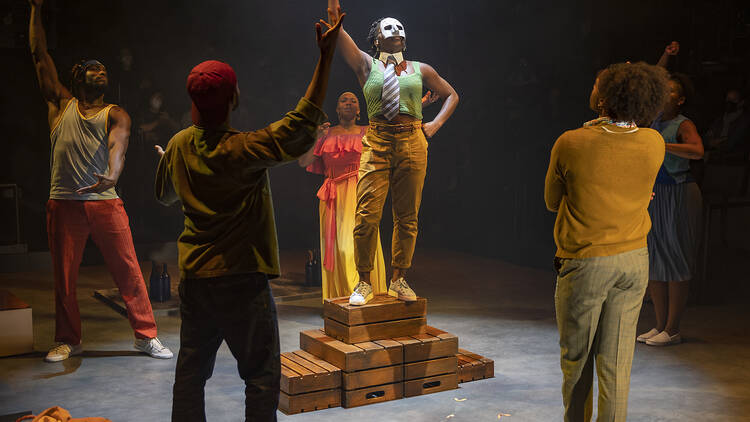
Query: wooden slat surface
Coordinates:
[314,359]
[430,385]
[307,402]
[430,368]
[371,377]
[371,395]
[376,331]
[299,375]
[431,344]
[351,357]
[310,366]
[473,366]
[381,308]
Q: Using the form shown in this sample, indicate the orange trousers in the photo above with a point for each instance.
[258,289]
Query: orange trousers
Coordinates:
[69,224]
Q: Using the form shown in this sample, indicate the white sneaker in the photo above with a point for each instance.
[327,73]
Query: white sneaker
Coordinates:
[401,290]
[362,294]
[645,336]
[664,339]
[63,351]
[153,348]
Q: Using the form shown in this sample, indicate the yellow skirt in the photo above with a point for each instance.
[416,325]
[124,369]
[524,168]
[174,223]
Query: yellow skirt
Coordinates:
[344,277]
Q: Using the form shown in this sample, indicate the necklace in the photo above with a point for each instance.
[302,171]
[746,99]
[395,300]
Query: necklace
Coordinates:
[601,121]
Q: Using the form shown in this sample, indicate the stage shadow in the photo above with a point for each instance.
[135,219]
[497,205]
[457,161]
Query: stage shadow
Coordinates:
[72,364]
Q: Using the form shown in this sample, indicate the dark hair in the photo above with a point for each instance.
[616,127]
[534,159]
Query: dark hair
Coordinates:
[372,36]
[633,91]
[77,77]
[687,89]
[78,74]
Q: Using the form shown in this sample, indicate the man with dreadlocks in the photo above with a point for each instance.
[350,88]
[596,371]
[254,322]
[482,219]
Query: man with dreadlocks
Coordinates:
[89,139]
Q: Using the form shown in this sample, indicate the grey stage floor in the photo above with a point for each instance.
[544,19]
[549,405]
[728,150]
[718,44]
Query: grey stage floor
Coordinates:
[498,310]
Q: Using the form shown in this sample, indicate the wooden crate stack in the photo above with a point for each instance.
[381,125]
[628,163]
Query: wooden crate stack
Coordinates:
[377,352]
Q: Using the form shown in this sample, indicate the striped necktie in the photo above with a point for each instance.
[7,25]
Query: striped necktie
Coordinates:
[391,91]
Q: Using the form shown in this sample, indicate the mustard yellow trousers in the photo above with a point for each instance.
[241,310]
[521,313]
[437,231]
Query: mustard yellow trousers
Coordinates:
[393,157]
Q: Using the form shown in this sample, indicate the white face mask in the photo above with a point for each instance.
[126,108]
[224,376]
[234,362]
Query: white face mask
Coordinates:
[391,27]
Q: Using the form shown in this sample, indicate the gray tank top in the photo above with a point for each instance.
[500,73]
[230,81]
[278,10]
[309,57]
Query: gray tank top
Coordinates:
[79,149]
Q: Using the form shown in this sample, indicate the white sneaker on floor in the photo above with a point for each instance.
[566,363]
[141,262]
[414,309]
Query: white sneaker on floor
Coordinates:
[645,336]
[401,290]
[362,294]
[664,339]
[153,348]
[63,351]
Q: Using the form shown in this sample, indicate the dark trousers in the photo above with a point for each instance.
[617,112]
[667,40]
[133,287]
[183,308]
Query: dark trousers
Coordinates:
[240,310]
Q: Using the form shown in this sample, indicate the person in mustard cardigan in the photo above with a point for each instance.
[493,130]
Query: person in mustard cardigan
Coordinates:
[599,182]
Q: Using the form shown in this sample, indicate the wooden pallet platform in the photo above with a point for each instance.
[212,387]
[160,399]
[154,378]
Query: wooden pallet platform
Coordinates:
[372,395]
[430,385]
[430,368]
[352,357]
[380,309]
[432,344]
[372,377]
[308,383]
[473,367]
[382,318]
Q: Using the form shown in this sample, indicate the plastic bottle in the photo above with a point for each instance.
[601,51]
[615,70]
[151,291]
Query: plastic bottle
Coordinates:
[310,269]
[166,284]
[154,284]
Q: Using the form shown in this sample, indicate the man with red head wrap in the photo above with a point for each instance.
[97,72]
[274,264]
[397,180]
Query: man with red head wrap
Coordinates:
[228,249]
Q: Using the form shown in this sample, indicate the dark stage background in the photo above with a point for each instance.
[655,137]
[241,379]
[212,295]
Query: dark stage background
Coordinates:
[523,70]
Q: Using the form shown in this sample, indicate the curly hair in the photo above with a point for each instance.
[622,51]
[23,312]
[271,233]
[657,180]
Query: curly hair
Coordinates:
[372,36]
[633,91]
[687,89]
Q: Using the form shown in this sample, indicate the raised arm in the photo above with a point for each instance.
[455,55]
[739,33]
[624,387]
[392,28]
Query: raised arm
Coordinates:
[53,91]
[119,135]
[442,89]
[671,50]
[163,186]
[309,157]
[358,60]
[293,135]
[690,146]
[316,91]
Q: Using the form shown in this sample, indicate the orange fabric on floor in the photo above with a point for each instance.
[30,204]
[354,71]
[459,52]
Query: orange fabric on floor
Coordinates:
[58,414]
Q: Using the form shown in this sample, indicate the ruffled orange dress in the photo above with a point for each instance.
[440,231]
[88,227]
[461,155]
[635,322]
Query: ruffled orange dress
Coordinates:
[337,158]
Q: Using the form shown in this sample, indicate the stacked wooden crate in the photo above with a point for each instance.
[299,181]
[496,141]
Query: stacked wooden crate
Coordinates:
[384,350]
[308,383]
[473,367]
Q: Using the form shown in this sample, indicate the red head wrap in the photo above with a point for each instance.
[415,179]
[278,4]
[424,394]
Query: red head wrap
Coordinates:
[211,86]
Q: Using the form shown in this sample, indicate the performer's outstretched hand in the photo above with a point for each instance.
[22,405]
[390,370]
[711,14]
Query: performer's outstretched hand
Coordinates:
[321,130]
[672,49]
[159,150]
[105,182]
[327,40]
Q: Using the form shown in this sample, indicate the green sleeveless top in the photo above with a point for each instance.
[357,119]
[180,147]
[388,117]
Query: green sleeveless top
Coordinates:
[410,100]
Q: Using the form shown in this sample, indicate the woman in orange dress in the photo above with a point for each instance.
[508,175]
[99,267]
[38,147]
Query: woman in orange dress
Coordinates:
[336,156]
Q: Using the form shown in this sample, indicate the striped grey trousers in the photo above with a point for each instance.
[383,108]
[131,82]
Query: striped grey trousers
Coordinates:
[597,302]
